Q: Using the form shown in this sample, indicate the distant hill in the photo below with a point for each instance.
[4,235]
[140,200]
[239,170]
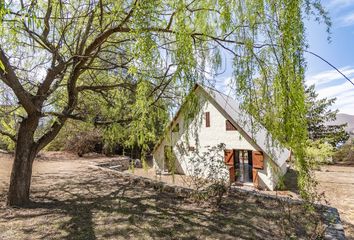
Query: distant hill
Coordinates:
[345,118]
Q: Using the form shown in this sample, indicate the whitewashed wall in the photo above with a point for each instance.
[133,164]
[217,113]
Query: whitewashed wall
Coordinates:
[208,159]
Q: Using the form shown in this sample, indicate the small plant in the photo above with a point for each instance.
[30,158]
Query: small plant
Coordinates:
[208,174]
[281,183]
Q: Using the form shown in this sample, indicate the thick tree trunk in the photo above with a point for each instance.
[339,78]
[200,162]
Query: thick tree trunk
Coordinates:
[20,181]
[25,152]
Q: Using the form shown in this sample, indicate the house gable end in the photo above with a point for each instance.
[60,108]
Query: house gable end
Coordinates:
[244,123]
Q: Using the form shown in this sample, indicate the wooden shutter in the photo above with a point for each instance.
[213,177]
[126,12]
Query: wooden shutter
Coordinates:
[229,161]
[229,157]
[257,160]
[207,119]
[230,126]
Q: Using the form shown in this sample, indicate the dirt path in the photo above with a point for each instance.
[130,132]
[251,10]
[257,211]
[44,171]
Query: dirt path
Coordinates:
[337,183]
[57,166]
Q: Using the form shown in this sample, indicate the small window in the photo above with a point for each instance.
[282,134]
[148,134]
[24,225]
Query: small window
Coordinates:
[176,128]
[230,126]
[207,119]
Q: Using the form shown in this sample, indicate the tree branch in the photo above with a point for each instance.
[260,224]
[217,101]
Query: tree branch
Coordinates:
[8,76]
[51,134]
[9,135]
[46,20]
[103,87]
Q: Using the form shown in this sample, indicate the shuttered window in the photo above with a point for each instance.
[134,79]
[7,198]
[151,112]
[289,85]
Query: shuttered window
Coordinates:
[257,160]
[230,126]
[207,119]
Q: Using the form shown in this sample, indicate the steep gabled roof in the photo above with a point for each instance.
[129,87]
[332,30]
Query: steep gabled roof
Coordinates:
[249,126]
[245,123]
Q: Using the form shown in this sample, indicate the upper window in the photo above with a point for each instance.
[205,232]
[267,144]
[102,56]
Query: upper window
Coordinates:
[207,119]
[230,126]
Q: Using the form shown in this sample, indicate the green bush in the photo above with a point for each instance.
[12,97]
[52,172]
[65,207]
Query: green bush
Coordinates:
[9,124]
[70,131]
[319,152]
[345,153]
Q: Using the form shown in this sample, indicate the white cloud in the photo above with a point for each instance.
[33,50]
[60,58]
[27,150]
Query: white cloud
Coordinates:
[336,90]
[341,12]
[329,76]
[346,20]
[344,92]
[335,4]
[348,109]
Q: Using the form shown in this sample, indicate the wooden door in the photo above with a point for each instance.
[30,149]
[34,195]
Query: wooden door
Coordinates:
[230,163]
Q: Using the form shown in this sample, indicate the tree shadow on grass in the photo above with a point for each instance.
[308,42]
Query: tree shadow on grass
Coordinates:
[100,206]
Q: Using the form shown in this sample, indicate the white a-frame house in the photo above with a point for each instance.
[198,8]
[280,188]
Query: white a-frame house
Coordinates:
[220,141]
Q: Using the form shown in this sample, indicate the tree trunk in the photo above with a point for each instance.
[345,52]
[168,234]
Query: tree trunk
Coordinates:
[25,152]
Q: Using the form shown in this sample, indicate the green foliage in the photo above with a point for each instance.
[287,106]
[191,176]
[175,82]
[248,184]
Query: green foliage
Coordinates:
[9,117]
[68,134]
[345,154]
[7,125]
[281,183]
[143,119]
[170,159]
[319,117]
[319,152]
[277,97]
[143,123]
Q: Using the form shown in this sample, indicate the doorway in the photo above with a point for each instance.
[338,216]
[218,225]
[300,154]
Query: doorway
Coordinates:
[243,166]
[240,165]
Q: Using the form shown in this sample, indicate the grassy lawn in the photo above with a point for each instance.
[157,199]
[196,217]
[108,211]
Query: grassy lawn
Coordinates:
[73,201]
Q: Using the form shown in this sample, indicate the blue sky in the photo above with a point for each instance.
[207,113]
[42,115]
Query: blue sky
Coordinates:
[339,52]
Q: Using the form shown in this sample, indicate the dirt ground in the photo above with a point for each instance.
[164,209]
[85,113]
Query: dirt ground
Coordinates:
[337,183]
[175,179]
[189,182]
[71,200]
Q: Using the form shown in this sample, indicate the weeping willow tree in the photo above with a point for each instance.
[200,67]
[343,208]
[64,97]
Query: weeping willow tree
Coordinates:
[56,51]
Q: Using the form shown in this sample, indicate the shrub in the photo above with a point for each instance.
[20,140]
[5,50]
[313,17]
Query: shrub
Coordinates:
[67,135]
[85,142]
[345,153]
[319,152]
[207,175]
